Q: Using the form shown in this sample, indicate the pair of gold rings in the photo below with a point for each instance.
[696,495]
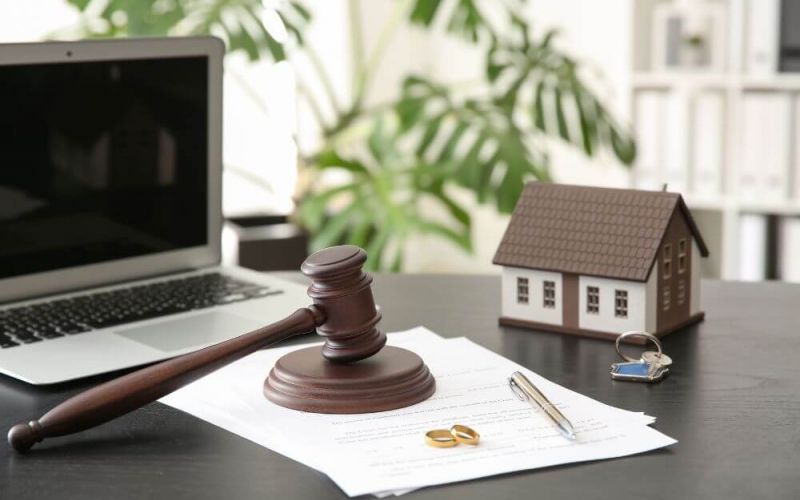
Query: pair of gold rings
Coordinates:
[458,434]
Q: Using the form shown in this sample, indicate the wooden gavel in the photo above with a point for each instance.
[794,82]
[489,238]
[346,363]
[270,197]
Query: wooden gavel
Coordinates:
[326,379]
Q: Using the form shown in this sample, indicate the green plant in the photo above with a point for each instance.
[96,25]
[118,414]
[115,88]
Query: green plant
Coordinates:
[404,158]
[238,22]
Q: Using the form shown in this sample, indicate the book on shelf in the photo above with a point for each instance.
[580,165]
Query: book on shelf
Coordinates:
[789,249]
[676,153]
[661,120]
[790,36]
[764,140]
[752,247]
[649,125]
[708,133]
[762,38]
[795,168]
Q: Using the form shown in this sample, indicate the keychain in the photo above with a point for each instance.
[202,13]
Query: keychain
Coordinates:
[652,366]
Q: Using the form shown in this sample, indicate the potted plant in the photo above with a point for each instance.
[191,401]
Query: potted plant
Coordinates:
[404,156]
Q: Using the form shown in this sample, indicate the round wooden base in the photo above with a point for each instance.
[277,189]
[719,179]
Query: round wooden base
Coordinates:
[393,378]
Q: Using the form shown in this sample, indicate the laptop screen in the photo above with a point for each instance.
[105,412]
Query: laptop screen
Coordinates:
[101,161]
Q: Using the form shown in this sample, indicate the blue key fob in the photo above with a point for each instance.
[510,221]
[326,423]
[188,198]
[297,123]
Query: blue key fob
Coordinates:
[638,371]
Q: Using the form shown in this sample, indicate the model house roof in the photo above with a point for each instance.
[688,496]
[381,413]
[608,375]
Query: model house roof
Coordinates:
[612,233]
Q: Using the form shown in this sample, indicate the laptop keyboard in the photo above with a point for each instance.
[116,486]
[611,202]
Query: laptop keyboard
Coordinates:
[78,314]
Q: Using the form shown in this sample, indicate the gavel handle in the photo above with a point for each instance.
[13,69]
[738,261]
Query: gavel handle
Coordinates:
[134,390]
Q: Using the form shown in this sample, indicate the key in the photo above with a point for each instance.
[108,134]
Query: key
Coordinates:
[638,371]
[652,366]
[654,357]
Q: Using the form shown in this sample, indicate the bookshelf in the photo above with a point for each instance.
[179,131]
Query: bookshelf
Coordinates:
[717,121]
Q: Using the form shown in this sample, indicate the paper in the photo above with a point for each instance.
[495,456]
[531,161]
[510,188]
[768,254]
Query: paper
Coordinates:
[384,453]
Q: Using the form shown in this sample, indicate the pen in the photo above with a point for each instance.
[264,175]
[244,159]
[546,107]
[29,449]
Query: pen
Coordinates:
[526,391]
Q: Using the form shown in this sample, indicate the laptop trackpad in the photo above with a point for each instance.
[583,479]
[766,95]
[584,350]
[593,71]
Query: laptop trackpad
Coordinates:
[193,331]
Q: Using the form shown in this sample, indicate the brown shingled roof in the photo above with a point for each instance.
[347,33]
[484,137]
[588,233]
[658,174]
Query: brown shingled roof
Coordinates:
[612,233]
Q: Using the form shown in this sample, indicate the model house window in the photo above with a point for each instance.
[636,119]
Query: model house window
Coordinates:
[549,294]
[592,300]
[682,256]
[522,290]
[667,261]
[681,292]
[666,298]
[621,303]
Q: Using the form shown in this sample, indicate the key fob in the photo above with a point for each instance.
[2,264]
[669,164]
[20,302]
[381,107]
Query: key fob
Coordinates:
[638,371]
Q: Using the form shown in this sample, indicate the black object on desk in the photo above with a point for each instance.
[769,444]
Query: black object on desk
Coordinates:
[269,242]
[732,401]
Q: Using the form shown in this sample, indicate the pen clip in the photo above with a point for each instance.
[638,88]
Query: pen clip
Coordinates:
[517,390]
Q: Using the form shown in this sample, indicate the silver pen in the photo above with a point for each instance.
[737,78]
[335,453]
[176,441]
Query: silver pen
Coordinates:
[526,391]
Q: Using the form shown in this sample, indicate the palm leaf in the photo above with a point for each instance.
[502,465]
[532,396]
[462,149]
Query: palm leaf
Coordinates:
[239,22]
[465,18]
[385,203]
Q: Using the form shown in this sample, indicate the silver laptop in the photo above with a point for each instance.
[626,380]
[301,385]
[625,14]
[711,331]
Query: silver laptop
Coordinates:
[110,209]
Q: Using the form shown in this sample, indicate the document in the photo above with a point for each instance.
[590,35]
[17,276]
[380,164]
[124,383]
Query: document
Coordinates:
[385,453]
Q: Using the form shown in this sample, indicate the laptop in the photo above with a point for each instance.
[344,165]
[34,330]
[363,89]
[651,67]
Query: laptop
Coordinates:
[110,209]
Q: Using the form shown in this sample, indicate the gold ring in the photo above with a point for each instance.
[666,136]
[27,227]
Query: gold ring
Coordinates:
[465,435]
[440,438]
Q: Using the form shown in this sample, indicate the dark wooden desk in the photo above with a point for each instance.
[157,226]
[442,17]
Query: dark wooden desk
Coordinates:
[732,401]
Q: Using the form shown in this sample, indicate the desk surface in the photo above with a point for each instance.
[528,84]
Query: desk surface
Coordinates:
[732,401]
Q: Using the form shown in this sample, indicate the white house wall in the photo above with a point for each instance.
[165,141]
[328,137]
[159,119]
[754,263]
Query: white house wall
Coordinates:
[534,310]
[651,297]
[605,320]
[694,296]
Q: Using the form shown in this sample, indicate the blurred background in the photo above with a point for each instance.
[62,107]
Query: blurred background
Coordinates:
[410,126]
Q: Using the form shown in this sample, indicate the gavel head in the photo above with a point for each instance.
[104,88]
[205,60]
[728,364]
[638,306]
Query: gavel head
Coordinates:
[342,290]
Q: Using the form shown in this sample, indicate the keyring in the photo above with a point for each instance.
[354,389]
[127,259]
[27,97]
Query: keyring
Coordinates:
[646,335]
[465,435]
[440,438]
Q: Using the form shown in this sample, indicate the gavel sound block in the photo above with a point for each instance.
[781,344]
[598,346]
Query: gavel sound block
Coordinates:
[353,372]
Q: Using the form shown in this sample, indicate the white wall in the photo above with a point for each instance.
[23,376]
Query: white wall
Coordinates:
[652,299]
[598,35]
[33,21]
[534,310]
[605,321]
[263,115]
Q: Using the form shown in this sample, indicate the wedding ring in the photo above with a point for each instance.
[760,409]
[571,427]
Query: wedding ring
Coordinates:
[465,435]
[646,335]
[440,438]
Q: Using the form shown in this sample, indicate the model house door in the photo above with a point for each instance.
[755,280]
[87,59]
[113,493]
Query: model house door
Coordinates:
[569,299]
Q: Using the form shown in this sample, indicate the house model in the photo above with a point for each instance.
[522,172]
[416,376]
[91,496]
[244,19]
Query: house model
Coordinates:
[599,262]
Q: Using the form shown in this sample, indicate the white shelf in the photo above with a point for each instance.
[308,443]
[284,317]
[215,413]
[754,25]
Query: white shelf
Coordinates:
[669,80]
[789,208]
[730,203]
[676,94]
[707,203]
[780,81]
